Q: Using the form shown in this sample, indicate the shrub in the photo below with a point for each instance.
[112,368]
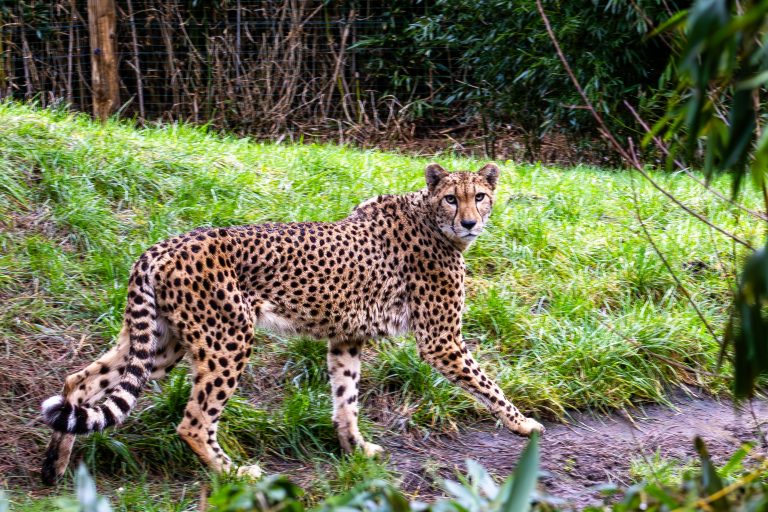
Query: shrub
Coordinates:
[493,59]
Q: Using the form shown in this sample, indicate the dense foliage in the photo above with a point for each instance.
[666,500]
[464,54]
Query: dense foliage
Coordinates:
[494,58]
[715,117]
[352,65]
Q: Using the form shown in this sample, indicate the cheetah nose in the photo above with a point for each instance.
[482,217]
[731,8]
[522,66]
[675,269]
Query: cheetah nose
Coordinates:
[468,224]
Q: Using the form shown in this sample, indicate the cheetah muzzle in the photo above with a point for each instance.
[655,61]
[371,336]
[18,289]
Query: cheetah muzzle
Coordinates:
[394,265]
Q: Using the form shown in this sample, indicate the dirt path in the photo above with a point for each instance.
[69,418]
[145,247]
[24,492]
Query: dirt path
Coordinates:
[585,453]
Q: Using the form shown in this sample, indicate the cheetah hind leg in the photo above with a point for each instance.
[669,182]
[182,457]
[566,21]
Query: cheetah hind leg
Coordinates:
[85,386]
[344,371]
[57,456]
[215,376]
[90,385]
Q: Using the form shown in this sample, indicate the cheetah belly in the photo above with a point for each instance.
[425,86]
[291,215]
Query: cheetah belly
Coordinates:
[391,319]
[266,318]
[396,319]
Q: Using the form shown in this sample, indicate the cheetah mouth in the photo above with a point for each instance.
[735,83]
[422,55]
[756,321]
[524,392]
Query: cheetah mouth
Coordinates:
[468,236]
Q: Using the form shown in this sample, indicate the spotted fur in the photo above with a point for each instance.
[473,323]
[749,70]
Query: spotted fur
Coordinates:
[394,265]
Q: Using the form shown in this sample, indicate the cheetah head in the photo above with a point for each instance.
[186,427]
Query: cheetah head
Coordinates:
[461,202]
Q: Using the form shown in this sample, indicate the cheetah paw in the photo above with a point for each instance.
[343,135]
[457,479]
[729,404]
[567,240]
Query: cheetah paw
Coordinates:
[529,426]
[371,449]
[253,471]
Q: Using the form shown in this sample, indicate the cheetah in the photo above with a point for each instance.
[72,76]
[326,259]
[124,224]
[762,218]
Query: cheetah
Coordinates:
[393,266]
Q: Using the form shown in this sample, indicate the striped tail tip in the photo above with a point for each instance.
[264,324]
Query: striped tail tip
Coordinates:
[52,409]
[62,416]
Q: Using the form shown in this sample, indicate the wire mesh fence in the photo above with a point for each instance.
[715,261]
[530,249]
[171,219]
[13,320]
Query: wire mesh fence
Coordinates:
[264,67]
[473,76]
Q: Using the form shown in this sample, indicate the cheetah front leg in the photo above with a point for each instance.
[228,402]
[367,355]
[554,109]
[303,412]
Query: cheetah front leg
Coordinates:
[344,371]
[449,355]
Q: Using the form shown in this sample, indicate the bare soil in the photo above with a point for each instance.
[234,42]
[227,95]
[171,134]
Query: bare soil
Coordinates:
[577,457]
[505,144]
[590,450]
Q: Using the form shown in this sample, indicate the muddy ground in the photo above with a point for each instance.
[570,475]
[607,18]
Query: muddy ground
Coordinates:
[588,451]
[576,457]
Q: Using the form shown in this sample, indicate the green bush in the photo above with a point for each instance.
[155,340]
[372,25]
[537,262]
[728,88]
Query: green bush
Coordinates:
[494,59]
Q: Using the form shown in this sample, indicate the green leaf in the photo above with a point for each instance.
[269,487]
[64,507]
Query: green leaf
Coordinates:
[734,466]
[87,496]
[705,18]
[741,132]
[480,477]
[674,21]
[661,494]
[460,492]
[710,480]
[753,83]
[748,331]
[524,482]
[759,166]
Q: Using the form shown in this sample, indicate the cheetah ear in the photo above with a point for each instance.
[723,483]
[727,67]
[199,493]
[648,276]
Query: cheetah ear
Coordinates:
[434,173]
[491,174]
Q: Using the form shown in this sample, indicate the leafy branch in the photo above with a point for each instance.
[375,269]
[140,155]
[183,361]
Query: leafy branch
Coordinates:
[722,68]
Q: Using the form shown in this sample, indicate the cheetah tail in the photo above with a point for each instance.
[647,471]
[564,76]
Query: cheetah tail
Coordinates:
[121,396]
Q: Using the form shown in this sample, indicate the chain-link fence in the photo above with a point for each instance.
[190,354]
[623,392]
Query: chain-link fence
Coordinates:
[264,67]
[475,75]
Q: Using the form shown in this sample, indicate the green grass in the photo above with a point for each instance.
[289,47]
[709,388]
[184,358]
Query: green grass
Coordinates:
[661,470]
[568,306]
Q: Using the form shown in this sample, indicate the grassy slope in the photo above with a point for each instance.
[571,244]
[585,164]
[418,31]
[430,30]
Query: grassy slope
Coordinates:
[568,306]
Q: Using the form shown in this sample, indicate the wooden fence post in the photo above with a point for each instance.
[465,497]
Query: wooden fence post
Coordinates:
[3,75]
[102,23]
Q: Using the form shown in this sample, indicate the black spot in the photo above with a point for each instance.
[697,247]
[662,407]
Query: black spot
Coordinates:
[130,387]
[109,418]
[81,426]
[134,370]
[121,404]
[140,354]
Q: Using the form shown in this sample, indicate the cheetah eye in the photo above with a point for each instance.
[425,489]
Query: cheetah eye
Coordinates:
[450,199]
[479,197]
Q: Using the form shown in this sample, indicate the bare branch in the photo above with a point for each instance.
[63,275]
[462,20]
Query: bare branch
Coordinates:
[669,268]
[663,148]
